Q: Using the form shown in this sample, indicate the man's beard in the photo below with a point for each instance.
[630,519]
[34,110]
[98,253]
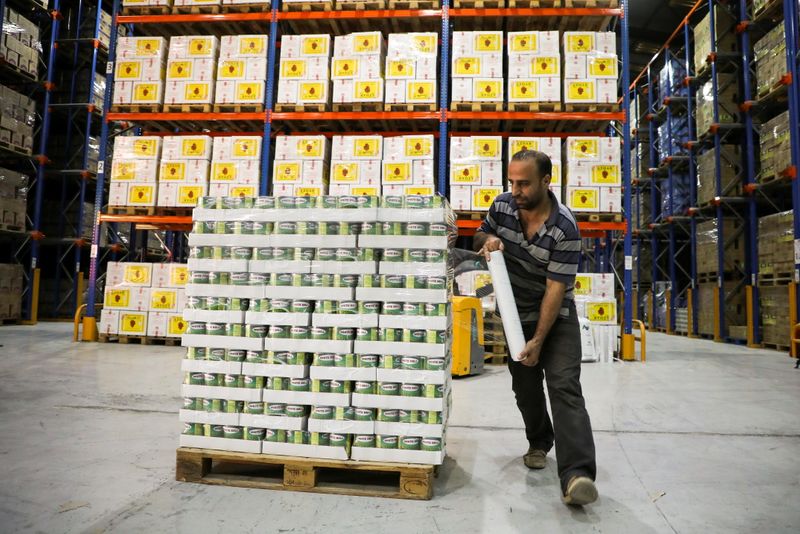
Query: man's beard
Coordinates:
[532,204]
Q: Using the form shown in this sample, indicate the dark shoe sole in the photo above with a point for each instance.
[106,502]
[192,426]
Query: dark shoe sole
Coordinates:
[580,491]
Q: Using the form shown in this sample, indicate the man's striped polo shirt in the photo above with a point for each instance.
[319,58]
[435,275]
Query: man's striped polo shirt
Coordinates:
[553,253]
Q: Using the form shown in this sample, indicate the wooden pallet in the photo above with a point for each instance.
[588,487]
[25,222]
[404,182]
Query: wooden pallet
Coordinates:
[476,106]
[342,477]
[146,10]
[776,279]
[188,108]
[132,210]
[777,346]
[136,108]
[195,10]
[11,228]
[307,6]
[360,6]
[300,108]
[178,211]
[238,108]
[410,107]
[593,107]
[16,149]
[534,107]
[775,6]
[359,107]
[246,8]
[10,321]
[472,215]
[591,3]
[534,3]
[414,4]
[142,340]
[479,4]
[598,217]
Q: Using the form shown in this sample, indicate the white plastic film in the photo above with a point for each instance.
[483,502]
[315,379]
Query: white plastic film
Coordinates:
[506,304]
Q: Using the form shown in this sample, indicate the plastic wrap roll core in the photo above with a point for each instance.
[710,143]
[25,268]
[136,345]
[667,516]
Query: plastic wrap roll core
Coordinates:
[506,304]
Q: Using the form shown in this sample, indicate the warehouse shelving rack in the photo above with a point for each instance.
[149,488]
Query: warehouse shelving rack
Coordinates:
[442,123]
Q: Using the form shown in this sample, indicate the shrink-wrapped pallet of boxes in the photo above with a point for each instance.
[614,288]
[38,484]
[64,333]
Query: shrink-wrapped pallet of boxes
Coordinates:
[476,171]
[304,73]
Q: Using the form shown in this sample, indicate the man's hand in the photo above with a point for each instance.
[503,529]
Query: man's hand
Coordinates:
[530,354]
[492,243]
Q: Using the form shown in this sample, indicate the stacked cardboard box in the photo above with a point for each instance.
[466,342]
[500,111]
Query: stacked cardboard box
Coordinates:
[301,166]
[707,245]
[594,174]
[17,120]
[139,70]
[596,306]
[194,3]
[20,44]
[727,102]
[235,166]
[183,171]
[534,67]
[144,299]
[13,199]
[729,174]
[476,171]
[191,69]
[734,307]
[264,3]
[551,146]
[411,72]
[477,67]
[776,245]
[775,139]
[10,291]
[242,69]
[327,335]
[774,305]
[356,165]
[590,67]
[304,74]
[134,171]
[770,55]
[357,68]
[724,36]
[146,3]
[105,28]
[408,165]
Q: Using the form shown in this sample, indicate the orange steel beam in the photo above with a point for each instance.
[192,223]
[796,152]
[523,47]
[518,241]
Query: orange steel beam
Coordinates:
[172,19]
[356,115]
[540,115]
[175,222]
[139,117]
[537,12]
[366,14]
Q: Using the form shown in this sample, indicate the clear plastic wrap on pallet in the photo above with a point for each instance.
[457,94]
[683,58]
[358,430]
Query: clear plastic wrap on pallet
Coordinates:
[476,171]
[728,98]
[671,79]
[672,137]
[770,58]
[534,67]
[18,120]
[730,180]
[677,201]
[593,176]
[477,66]
[776,244]
[20,45]
[304,72]
[724,34]
[707,246]
[242,69]
[775,140]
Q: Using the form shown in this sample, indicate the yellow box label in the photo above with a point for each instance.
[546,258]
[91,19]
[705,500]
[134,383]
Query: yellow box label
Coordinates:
[163,299]
[244,147]
[173,170]
[243,191]
[399,171]
[584,148]
[144,92]
[418,146]
[467,174]
[200,47]
[418,190]
[140,194]
[311,91]
[366,43]
[180,69]
[117,298]
[420,91]
[425,44]
[488,42]
[193,147]
[287,172]
[545,66]
[230,68]
[252,46]
[580,42]
[584,198]
[345,67]
[345,172]
[248,92]
[223,172]
[178,276]
[295,68]
[525,42]
[147,47]
[488,89]
[484,147]
[189,194]
[315,46]
[308,191]
[483,197]
[366,90]
[578,90]
[132,323]
[605,174]
[518,145]
[482,280]
[176,326]
[583,284]
[467,66]
[196,91]
[524,89]
[129,70]
[136,274]
[123,170]
[364,191]
[601,311]
[602,66]
[401,68]
[367,147]
[145,147]
[309,148]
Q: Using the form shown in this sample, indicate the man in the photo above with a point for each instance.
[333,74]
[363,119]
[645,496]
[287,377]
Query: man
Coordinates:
[541,246]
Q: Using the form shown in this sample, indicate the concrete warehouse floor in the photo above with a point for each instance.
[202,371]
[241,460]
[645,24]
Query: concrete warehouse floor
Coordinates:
[702,438]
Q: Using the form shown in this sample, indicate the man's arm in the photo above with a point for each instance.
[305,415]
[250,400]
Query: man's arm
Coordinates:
[485,240]
[548,313]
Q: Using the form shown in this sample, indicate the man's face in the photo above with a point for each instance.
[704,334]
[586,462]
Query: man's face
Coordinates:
[527,187]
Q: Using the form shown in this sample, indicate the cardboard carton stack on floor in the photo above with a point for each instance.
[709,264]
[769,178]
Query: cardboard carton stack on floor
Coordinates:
[326,335]
[144,299]
[13,200]
[776,245]
[10,291]
[304,72]
[590,67]
[235,166]
[411,70]
[477,68]
[534,67]
[594,174]
[707,241]
[184,169]
[191,69]
[242,69]
[734,307]
[408,167]
[134,171]
[301,165]
[596,306]
[139,71]
[476,171]
[551,146]
[357,68]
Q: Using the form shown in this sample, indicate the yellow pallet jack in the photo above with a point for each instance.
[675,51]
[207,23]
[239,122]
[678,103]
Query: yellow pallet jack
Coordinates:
[468,354]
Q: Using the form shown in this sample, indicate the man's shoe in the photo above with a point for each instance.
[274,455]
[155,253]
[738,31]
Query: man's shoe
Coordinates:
[580,490]
[535,459]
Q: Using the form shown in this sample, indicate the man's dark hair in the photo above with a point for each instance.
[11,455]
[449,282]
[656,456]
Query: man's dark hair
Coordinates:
[540,159]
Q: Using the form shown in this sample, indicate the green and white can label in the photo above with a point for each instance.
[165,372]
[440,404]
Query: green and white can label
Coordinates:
[233,432]
[364,440]
[337,440]
[280,305]
[410,443]
[255,356]
[369,308]
[393,281]
[276,409]
[322,332]
[264,253]
[299,332]
[190,403]
[300,384]
[196,327]
[438,229]
[416,229]
[214,431]
[254,407]
[392,308]
[367,360]
[321,386]
[389,415]
[338,386]
[412,362]
[435,364]
[322,412]
[392,255]
[386,442]
[409,416]
[365,388]
[215,329]
[253,433]
[388,388]
[275,436]
[411,390]
[257,330]
[415,255]
[323,359]
[279,332]
[344,334]
[254,382]
[295,410]
[432,444]
[344,360]
[326,254]
[258,279]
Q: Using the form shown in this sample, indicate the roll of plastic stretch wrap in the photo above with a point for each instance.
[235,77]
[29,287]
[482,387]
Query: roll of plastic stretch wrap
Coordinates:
[506,304]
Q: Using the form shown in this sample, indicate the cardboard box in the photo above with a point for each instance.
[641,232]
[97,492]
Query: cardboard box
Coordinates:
[193,171]
[235,171]
[170,275]
[142,194]
[577,91]
[133,170]
[189,92]
[418,45]
[359,43]
[408,147]
[476,147]
[365,172]
[243,46]
[160,324]
[187,147]
[357,189]
[305,92]
[356,68]
[487,89]
[315,68]
[132,323]
[478,66]
[296,46]
[296,172]
[461,197]
[193,46]
[147,92]
[109,322]
[181,195]
[240,92]
[252,69]
[237,148]
[138,147]
[583,198]
[483,197]
[534,90]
